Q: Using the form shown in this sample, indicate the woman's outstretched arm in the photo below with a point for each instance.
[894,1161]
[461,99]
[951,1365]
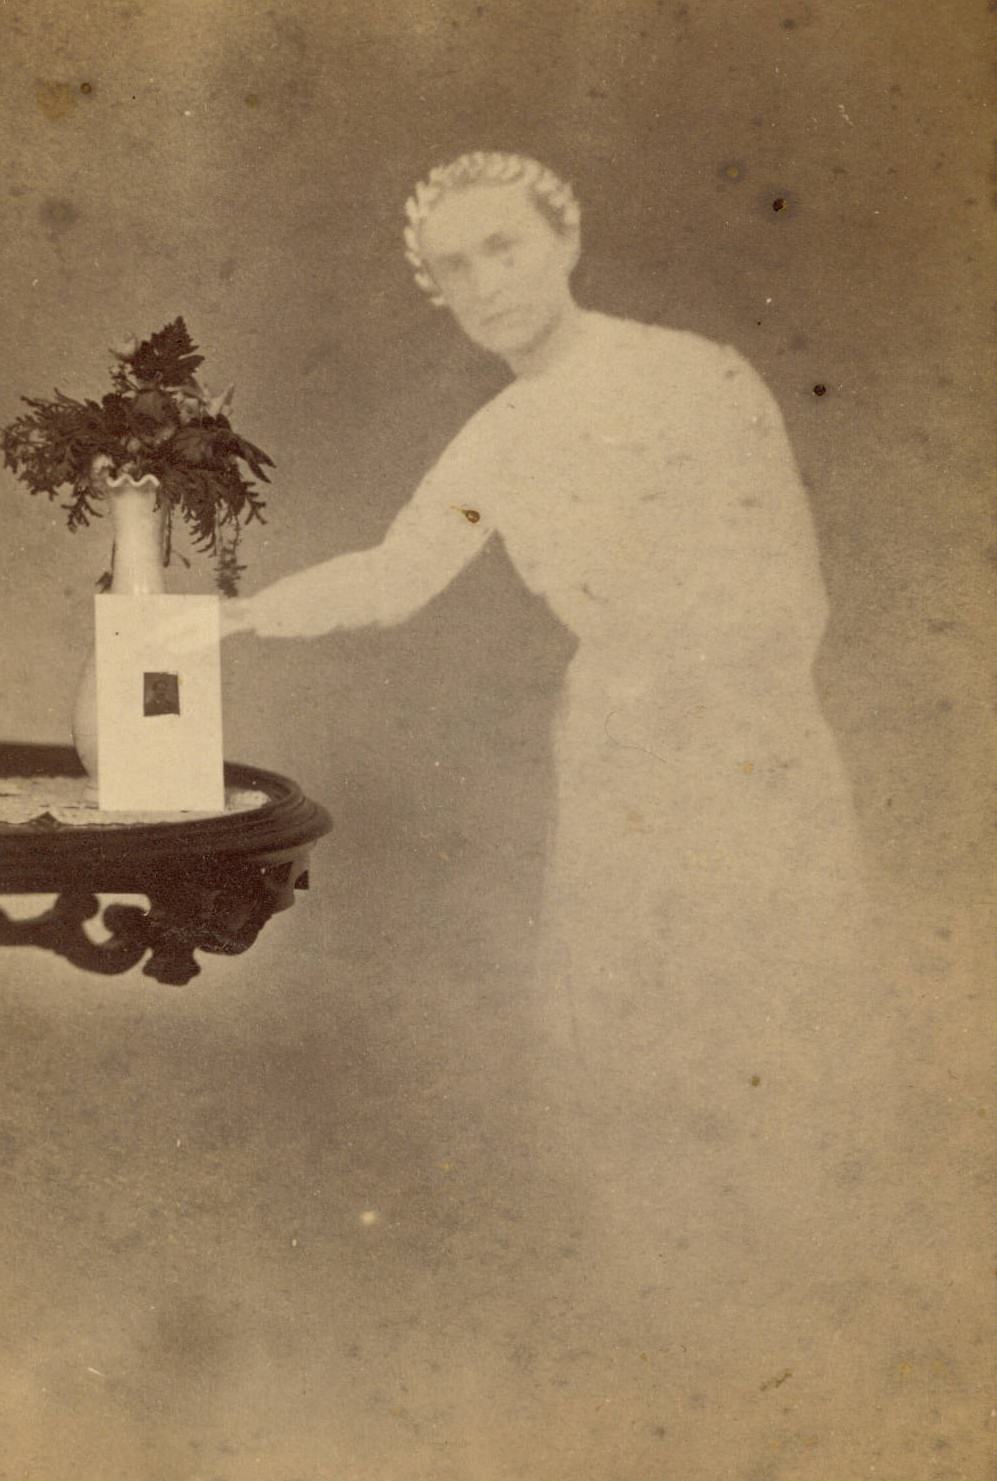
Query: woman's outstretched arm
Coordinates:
[431,539]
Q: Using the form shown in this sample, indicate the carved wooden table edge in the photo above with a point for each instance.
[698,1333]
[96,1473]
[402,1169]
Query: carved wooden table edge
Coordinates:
[212,883]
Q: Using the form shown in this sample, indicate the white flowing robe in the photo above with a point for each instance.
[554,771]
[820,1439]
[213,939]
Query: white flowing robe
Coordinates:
[713,1042]
[644,486]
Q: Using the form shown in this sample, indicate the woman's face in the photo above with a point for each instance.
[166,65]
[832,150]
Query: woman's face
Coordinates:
[501,268]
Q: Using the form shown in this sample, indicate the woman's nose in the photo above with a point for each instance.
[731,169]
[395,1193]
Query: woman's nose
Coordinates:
[486,279]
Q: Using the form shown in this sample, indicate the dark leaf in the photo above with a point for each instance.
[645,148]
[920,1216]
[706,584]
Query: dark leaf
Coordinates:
[193,444]
[155,408]
[167,357]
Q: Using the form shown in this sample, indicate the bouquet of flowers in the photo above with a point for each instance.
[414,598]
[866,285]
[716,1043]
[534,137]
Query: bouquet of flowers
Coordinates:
[157,419]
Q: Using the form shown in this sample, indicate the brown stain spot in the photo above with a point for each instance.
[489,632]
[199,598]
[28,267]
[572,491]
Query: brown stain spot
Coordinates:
[471,515]
[55,99]
[755,1080]
[751,502]
[780,203]
[747,767]
[86,88]
[57,216]
[777,1381]
[820,389]
[252,100]
[732,170]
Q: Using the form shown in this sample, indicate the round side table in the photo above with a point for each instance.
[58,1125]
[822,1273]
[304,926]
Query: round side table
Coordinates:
[212,882]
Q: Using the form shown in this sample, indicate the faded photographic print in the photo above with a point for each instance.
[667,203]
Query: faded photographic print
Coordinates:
[544,450]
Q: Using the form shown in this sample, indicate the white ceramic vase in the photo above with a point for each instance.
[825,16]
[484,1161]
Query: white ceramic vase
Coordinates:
[138,516]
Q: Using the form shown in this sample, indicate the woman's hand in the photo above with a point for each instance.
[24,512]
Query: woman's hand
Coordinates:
[182,628]
[235,615]
[293,607]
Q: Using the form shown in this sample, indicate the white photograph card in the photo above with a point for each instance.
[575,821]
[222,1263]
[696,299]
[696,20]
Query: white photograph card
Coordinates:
[159,710]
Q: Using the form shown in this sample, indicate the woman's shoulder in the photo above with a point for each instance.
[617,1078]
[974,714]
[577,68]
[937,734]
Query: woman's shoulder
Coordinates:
[684,349]
[698,377]
[472,449]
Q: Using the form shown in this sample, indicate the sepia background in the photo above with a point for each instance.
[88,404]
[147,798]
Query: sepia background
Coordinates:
[189,1291]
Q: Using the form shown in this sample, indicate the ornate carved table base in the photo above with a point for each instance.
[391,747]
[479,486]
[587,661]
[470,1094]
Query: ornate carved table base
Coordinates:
[184,916]
[212,884]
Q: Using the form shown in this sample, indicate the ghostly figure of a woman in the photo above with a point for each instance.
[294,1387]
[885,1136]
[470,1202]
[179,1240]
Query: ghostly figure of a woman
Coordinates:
[642,482]
[697,912]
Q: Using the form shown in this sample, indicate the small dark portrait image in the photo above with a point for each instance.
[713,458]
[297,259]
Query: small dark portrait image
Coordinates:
[160,694]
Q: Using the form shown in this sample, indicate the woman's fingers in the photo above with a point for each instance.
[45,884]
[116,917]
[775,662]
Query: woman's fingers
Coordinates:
[235,616]
[188,627]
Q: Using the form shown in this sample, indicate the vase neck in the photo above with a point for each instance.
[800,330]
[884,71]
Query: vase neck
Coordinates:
[138,540]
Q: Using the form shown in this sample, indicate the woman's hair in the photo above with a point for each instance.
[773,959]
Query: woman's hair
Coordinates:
[553,198]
